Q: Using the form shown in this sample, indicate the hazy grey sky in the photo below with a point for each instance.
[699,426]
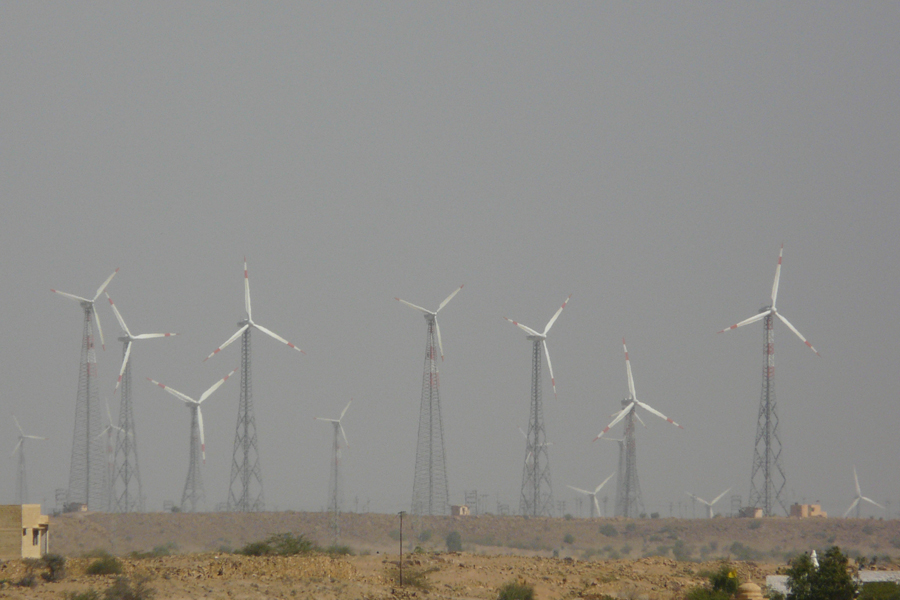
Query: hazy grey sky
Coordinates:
[647,158]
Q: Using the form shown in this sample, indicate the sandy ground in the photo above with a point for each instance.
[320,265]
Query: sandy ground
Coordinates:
[496,550]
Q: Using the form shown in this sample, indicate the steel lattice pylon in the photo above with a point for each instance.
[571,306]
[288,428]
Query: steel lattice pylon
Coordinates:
[629,502]
[245,492]
[126,487]
[334,487]
[767,479]
[88,471]
[193,498]
[536,498]
[431,494]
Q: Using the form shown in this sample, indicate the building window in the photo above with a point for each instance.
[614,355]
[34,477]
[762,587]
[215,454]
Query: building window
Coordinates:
[35,536]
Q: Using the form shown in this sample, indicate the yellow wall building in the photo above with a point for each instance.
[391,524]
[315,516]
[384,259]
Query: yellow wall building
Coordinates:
[24,531]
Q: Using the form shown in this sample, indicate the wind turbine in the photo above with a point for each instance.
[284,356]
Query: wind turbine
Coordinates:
[533,501]
[21,481]
[431,495]
[529,458]
[709,505]
[628,497]
[126,458]
[767,478]
[859,497]
[193,496]
[87,472]
[246,472]
[110,462]
[334,503]
[593,495]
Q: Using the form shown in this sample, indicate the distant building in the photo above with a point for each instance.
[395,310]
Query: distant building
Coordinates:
[459,510]
[24,531]
[804,511]
[751,512]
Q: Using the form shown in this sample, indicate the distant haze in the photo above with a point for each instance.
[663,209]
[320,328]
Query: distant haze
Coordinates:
[649,159]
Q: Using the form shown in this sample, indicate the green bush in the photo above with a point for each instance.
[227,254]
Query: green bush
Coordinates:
[454,541]
[425,536]
[280,544]
[56,567]
[831,581]
[412,576]
[90,594]
[608,530]
[105,565]
[339,550]
[124,589]
[516,590]
[568,539]
[725,579]
[880,590]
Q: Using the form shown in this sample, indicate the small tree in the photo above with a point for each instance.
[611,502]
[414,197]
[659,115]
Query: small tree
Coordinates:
[831,581]
[454,542]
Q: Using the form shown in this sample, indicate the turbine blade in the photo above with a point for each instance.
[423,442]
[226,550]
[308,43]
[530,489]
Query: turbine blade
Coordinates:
[578,489]
[523,433]
[343,412]
[615,421]
[794,329]
[856,481]
[20,427]
[122,370]
[600,487]
[277,337]
[777,276]
[524,328]
[628,372]
[869,500]
[118,316]
[719,497]
[550,366]
[852,506]
[556,315]
[597,506]
[657,413]
[437,328]
[103,287]
[231,339]
[37,437]
[72,296]
[247,291]
[108,413]
[13,453]
[638,417]
[752,319]
[99,328]
[448,299]
[148,336]
[202,439]
[183,397]
[341,427]
[216,385]
[427,312]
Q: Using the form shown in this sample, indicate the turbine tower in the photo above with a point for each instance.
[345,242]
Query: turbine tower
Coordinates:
[21,481]
[593,495]
[128,496]
[87,473]
[767,478]
[709,505]
[110,458]
[430,490]
[334,479]
[245,492]
[193,497]
[859,496]
[629,502]
[536,497]
[620,473]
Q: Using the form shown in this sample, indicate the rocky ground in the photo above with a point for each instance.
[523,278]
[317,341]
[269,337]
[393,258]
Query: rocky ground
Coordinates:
[187,556]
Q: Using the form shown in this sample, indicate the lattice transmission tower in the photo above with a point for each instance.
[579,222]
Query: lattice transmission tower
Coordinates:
[245,492]
[431,495]
[536,496]
[767,477]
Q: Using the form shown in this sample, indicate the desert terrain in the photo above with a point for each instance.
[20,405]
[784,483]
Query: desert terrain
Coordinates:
[190,555]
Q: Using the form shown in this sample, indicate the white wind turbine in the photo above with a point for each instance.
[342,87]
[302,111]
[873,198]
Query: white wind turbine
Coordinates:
[596,505]
[88,305]
[21,481]
[859,496]
[334,501]
[126,457]
[709,505]
[193,495]
[245,491]
[431,316]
